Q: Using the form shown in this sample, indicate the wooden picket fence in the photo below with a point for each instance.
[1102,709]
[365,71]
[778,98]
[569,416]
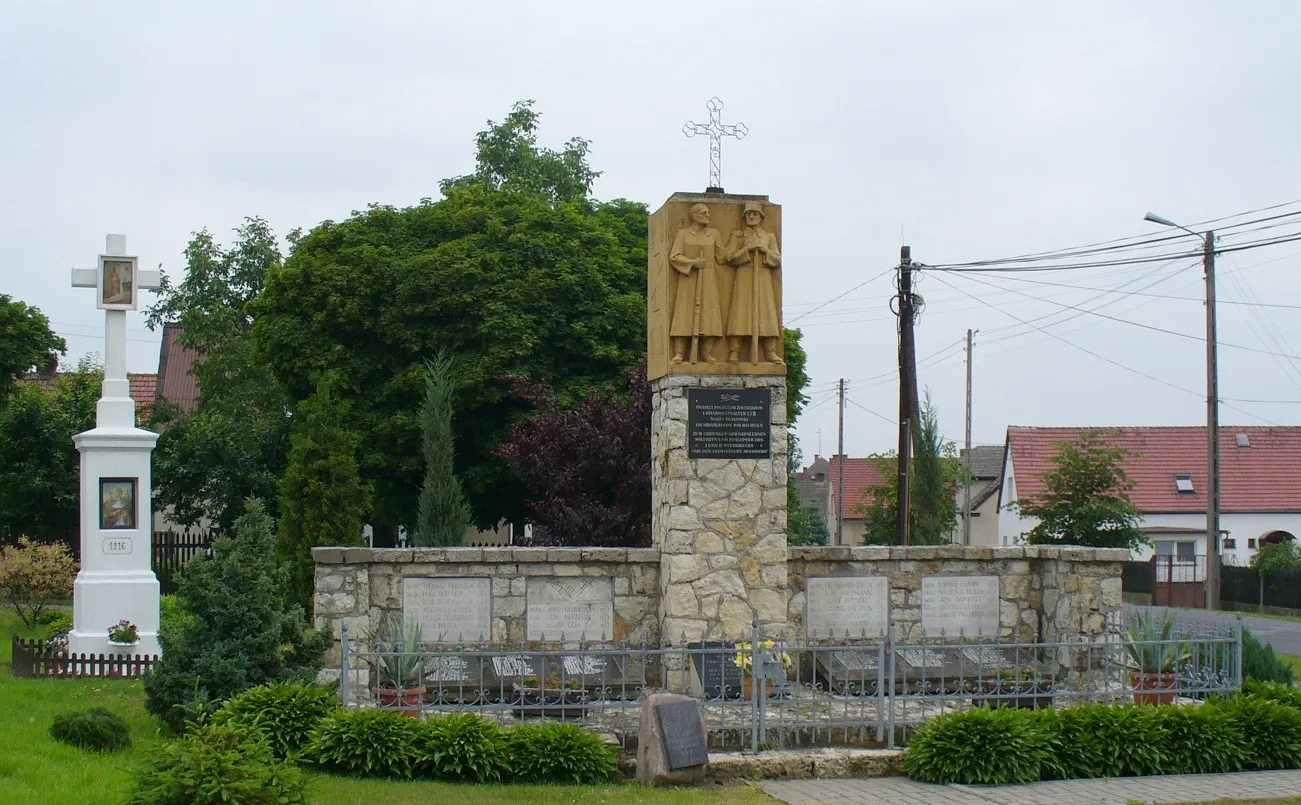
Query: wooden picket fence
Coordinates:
[40,659]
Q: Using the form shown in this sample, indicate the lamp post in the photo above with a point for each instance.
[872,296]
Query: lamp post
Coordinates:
[1212,415]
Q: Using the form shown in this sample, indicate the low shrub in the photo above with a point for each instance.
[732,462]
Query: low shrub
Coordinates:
[369,743]
[95,730]
[217,763]
[1271,732]
[461,747]
[1078,751]
[1202,740]
[1261,663]
[1133,738]
[559,753]
[284,714]
[56,621]
[980,747]
[1274,691]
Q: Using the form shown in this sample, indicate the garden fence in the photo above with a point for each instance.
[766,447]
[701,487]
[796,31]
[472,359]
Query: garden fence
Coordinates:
[42,659]
[1246,585]
[172,549]
[836,690]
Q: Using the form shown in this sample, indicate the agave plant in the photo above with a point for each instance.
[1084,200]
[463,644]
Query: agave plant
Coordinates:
[400,661]
[1153,646]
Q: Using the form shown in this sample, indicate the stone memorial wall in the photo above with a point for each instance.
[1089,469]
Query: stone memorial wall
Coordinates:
[1014,593]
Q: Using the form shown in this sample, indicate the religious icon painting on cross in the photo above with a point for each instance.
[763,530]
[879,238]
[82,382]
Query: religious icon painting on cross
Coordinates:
[117,282]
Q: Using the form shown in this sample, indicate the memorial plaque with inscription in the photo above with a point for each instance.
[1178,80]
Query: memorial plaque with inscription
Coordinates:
[575,608]
[729,423]
[449,610]
[715,673]
[683,734]
[960,604]
[853,606]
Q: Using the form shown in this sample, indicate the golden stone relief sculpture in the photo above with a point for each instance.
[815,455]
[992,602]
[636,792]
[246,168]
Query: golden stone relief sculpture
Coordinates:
[714,298]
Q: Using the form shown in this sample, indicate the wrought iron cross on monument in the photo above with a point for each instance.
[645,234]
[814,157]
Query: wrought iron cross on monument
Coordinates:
[716,130]
[117,281]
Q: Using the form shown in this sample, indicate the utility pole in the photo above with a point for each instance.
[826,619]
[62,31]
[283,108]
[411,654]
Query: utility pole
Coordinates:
[907,393]
[966,495]
[840,468]
[1212,433]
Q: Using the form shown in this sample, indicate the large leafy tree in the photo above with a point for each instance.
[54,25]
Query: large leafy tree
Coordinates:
[26,343]
[322,498]
[39,466]
[234,445]
[514,271]
[1085,497]
[936,476]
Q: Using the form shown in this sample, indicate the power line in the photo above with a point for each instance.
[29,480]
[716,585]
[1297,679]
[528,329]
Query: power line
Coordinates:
[1104,358]
[1140,293]
[846,293]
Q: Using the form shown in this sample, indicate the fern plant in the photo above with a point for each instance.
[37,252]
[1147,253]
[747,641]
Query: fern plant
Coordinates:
[461,747]
[980,747]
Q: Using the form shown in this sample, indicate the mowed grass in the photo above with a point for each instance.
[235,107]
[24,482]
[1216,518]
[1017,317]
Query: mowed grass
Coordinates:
[37,770]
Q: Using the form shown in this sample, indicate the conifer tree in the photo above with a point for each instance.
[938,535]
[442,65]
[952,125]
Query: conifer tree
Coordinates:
[237,632]
[322,499]
[443,514]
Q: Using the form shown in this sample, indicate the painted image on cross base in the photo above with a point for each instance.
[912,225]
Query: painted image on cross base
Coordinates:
[117,503]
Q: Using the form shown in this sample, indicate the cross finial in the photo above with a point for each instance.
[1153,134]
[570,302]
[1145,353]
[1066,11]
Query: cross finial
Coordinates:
[716,130]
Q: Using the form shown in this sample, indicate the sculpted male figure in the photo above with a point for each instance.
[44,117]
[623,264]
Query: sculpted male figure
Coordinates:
[754,252]
[697,314]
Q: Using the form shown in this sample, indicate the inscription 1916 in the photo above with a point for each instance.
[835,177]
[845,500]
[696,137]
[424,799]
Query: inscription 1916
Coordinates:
[729,423]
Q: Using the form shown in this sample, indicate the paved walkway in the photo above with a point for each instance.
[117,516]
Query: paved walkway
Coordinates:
[900,791]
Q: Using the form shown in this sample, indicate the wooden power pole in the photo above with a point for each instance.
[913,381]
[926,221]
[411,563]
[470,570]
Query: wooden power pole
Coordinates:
[908,405]
[966,481]
[840,468]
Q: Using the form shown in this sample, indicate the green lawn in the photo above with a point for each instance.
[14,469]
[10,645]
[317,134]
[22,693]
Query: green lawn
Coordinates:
[35,770]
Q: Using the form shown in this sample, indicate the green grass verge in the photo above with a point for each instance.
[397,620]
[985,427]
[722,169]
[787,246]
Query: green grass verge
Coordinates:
[1293,661]
[36,770]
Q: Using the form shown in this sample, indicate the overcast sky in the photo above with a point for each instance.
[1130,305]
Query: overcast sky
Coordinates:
[969,130]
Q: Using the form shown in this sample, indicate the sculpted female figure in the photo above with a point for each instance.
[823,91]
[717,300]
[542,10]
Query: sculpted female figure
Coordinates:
[754,252]
[697,319]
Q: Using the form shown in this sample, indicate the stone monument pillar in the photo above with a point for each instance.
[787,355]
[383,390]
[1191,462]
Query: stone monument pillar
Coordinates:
[718,425]
[116,580]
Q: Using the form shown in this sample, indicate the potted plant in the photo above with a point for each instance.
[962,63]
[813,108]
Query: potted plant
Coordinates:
[1155,654]
[745,661]
[401,667]
[553,696]
[123,634]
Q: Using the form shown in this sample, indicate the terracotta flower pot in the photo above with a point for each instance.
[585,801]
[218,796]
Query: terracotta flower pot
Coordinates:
[409,699]
[1161,687]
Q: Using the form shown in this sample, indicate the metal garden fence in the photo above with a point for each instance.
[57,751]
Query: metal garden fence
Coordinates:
[758,691]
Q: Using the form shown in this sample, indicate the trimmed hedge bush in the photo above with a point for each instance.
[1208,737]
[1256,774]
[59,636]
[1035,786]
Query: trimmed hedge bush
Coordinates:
[367,743]
[461,747]
[214,763]
[1250,732]
[559,753]
[95,730]
[1274,691]
[283,714]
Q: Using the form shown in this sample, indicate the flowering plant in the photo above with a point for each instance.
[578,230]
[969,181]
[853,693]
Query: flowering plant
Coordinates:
[124,631]
[745,656]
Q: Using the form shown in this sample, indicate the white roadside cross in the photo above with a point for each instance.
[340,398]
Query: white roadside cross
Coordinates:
[116,409]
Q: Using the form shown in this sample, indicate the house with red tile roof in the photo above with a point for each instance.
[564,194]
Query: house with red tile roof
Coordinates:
[1260,484]
[818,486]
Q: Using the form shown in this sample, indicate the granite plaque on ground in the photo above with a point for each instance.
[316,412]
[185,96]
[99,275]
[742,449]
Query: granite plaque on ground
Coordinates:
[715,674]
[993,658]
[683,734]
[729,423]
[509,669]
[851,606]
[452,670]
[850,671]
[449,610]
[960,604]
[577,608]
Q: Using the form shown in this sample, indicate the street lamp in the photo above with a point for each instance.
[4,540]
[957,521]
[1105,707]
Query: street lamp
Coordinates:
[1212,415]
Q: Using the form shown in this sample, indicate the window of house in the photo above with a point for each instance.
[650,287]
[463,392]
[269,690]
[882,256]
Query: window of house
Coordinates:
[1184,483]
[1243,440]
[1251,543]
[1180,549]
[1230,544]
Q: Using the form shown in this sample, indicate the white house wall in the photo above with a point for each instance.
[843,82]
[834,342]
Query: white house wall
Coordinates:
[1241,527]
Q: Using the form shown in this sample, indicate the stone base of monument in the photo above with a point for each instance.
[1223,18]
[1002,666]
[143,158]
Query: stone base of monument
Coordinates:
[671,741]
[110,596]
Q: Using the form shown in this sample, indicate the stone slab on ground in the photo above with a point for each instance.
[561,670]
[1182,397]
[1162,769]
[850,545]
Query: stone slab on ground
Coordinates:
[1168,789]
[652,756]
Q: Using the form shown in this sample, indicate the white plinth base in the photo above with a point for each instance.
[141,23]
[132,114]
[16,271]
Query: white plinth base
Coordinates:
[105,597]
